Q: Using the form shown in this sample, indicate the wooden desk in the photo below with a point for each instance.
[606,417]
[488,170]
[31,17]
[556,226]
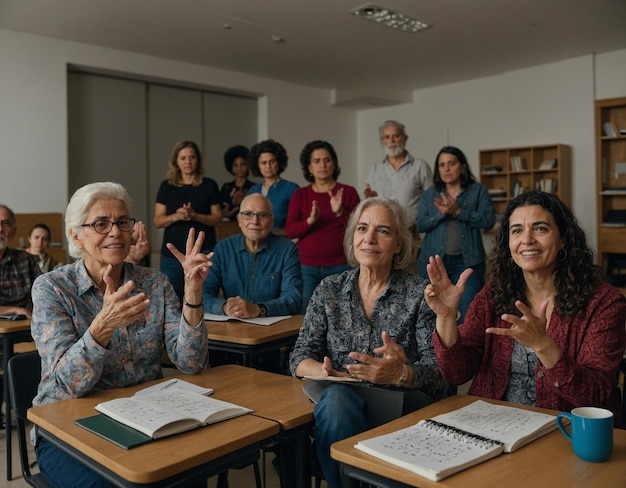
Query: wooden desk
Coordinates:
[271,396]
[203,452]
[548,461]
[251,340]
[11,333]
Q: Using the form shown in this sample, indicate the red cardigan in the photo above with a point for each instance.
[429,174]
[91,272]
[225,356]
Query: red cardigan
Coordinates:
[585,375]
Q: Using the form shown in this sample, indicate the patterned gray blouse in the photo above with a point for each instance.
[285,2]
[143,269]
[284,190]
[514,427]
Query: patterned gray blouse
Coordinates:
[335,324]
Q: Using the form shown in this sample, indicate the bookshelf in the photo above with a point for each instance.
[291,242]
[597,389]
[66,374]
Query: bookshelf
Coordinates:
[611,187]
[505,172]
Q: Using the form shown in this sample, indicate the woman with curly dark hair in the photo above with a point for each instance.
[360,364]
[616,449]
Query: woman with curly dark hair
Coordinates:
[317,216]
[547,329]
[267,160]
[233,192]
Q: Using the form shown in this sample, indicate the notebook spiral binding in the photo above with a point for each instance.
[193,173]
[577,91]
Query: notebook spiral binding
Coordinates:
[461,435]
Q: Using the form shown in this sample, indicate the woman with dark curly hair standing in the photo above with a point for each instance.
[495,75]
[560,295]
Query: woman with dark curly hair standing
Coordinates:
[268,159]
[317,216]
[233,192]
[547,329]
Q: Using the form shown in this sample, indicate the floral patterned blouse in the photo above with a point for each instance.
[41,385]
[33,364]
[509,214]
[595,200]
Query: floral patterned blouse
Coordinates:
[73,364]
[335,324]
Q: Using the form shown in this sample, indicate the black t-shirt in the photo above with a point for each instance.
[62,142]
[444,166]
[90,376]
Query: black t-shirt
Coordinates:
[201,197]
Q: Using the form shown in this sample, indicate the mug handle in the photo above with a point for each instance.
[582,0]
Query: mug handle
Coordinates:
[560,425]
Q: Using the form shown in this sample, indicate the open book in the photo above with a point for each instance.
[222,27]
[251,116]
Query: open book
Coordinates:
[157,415]
[451,442]
[256,321]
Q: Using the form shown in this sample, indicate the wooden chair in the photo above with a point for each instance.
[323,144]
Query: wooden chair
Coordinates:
[23,374]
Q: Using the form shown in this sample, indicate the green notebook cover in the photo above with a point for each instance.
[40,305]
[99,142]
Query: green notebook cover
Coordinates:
[114,431]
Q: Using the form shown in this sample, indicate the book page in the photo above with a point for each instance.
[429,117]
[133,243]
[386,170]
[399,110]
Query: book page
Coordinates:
[203,409]
[512,426]
[430,450]
[174,383]
[256,321]
[145,417]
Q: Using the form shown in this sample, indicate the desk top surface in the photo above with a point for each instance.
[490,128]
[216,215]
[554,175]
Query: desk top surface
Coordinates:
[157,460]
[251,334]
[272,396]
[9,326]
[547,461]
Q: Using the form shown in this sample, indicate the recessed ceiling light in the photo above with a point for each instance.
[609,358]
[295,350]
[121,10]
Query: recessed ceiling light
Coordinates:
[387,17]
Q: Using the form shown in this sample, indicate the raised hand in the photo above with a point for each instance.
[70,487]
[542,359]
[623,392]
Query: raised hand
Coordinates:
[141,245]
[315,213]
[369,192]
[195,263]
[441,295]
[336,201]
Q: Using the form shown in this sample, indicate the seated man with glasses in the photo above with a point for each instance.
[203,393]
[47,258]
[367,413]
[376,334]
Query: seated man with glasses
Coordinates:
[255,273]
[18,270]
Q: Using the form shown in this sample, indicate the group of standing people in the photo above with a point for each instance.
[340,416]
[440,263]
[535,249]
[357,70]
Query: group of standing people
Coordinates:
[547,329]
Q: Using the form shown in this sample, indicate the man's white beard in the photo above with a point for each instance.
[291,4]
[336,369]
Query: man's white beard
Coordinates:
[4,242]
[394,150]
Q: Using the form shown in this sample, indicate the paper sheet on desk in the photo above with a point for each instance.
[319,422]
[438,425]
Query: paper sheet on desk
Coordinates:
[257,321]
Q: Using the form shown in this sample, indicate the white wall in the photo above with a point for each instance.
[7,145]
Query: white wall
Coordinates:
[541,105]
[33,113]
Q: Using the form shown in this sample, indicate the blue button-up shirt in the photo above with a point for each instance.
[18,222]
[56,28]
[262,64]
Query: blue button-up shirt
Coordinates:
[270,276]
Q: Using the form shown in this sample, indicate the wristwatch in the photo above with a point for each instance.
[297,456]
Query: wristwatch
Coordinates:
[262,310]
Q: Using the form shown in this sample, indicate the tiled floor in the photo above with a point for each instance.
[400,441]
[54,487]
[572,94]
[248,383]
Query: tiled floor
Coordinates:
[238,478]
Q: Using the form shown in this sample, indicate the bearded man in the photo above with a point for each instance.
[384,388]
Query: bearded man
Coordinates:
[399,175]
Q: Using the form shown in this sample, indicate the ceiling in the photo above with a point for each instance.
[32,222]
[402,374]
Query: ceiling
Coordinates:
[325,46]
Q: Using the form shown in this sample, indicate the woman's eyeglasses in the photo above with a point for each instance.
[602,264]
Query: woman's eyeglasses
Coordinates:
[248,215]
[103,226]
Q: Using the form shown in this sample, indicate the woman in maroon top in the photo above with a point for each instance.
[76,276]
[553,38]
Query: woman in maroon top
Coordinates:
[547,330]
[317,216]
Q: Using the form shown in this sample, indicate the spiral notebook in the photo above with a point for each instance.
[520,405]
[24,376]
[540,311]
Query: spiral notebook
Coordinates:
[446,444]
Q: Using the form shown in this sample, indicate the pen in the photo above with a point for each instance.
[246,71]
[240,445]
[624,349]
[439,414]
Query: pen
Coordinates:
[168,385]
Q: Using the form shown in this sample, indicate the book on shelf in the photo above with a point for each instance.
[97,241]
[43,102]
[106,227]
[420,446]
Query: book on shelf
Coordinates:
[518,163]
[170,410]
[548,164]
[546,184]
[609,129]
[256,321]
[446,444]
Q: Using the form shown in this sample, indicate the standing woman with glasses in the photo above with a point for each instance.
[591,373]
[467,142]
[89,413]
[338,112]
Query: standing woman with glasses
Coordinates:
[268,159]
[317,216]
[102,323]
[185,200]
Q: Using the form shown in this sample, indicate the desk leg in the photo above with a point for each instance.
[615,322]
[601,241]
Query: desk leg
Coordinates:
[7,352]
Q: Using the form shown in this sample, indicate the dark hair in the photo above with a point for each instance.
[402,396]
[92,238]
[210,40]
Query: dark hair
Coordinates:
[233,153]
[305,158]
[576,277]
[467,178]
[268,146]
[174,177]
[40,226]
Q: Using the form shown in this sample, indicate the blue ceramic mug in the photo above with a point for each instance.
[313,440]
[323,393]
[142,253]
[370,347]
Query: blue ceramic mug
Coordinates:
[592,432]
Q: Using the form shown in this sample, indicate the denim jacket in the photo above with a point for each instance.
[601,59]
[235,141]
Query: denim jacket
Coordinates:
[476,213]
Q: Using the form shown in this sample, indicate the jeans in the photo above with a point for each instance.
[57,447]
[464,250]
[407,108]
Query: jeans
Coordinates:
[341,413]
[454,265]
[63,471]
[174,271]
[311,277]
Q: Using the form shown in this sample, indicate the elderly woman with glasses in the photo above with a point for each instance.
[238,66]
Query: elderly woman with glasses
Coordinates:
[102,323]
